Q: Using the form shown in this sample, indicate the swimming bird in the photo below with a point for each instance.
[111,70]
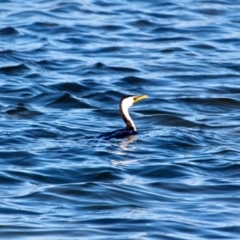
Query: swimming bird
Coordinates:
[125,103]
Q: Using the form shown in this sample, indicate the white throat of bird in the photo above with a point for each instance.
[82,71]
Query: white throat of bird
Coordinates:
[126,104]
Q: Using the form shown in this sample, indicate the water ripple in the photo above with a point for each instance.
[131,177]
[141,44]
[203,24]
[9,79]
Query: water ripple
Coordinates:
[64,67]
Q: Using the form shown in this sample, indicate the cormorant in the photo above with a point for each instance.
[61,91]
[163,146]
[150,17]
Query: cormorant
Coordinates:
[125,103]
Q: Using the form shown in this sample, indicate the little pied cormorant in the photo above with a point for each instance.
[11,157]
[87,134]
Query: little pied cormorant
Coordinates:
[125,103]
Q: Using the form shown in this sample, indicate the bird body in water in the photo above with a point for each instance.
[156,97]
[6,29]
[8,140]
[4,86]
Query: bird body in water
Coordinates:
[125,103]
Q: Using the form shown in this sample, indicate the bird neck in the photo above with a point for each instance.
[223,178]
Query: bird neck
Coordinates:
[127,119]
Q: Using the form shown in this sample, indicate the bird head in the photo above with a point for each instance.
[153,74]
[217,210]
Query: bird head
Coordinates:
[128,101]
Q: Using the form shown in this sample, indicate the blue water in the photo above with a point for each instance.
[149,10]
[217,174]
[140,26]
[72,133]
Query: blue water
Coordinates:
[64,67]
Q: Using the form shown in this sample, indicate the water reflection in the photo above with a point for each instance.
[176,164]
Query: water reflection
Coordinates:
[125,144]
[124,162]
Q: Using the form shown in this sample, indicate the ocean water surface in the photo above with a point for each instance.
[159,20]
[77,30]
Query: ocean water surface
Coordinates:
[64,67]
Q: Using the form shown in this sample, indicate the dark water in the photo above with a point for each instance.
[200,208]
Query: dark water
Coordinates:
[65,65]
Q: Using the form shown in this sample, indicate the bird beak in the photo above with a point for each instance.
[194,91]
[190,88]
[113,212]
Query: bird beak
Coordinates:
[138,98]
